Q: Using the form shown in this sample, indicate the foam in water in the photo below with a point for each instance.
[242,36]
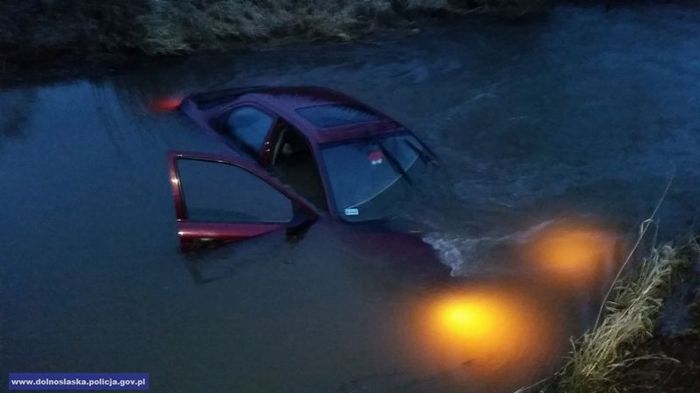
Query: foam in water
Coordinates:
[466,255]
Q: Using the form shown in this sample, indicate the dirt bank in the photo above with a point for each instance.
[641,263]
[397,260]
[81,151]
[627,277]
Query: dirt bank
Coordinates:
[680,375]
[669,361]
[648,342]
[45,38]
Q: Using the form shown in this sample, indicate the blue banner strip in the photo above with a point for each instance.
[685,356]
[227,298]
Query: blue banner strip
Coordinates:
[78,381]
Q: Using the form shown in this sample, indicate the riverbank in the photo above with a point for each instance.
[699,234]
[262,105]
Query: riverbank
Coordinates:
[668,360]
[649,339]
[680,373]
[47,39]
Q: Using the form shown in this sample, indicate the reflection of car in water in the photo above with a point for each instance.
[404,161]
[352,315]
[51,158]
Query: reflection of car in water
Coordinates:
[335,154]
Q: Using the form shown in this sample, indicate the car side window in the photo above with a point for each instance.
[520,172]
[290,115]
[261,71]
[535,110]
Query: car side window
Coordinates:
[218,192]
[250,126]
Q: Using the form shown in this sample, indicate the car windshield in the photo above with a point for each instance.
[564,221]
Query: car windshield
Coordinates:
[369,178]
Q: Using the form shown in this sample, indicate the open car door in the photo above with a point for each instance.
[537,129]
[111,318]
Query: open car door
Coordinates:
[223,199]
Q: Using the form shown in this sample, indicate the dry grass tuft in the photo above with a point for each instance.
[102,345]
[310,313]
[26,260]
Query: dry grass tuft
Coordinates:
[600,354]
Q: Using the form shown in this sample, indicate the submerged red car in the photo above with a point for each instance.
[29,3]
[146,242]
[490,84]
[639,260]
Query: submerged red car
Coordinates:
[298,151]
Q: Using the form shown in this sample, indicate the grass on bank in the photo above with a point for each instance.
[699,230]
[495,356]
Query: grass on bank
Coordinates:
[630,319]
[601,355]
[177,26]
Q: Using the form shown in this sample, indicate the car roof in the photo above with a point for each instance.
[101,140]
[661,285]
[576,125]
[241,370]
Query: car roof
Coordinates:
[323,115]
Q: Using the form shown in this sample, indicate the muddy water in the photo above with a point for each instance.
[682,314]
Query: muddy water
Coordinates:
[556,139]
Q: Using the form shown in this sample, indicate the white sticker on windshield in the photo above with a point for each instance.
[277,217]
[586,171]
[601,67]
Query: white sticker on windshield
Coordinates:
[352,211]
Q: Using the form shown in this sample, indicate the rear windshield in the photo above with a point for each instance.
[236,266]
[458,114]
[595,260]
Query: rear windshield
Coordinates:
[328,116]
[370,178]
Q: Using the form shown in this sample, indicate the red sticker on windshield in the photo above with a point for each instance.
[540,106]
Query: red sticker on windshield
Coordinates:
[375,157]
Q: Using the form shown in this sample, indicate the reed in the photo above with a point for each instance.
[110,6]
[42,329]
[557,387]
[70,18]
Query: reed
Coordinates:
[601,354]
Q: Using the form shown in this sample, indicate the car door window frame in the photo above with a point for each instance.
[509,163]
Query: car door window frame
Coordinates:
[184,195]
[191,230]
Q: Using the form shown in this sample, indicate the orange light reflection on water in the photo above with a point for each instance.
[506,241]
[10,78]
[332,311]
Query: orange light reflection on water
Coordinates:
[498,335]
[573,252]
